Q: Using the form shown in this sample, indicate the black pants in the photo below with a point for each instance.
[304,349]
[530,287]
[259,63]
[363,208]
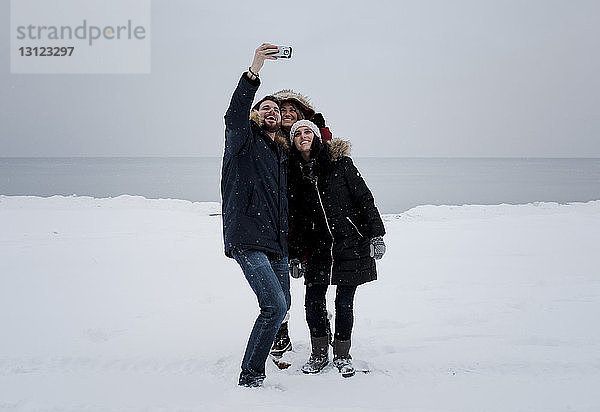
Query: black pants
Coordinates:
[316,310]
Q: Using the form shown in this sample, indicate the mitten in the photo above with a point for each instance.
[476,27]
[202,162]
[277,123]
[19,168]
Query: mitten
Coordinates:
[319,120]
[377,247]
[296,269]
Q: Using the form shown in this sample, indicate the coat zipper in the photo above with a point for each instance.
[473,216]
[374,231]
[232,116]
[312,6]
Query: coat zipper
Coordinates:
[352,223]
[330,233]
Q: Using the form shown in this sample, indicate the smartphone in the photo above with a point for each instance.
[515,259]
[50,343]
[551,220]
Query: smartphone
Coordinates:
[285,52]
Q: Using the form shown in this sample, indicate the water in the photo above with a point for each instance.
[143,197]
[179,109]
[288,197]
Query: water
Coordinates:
[398,184]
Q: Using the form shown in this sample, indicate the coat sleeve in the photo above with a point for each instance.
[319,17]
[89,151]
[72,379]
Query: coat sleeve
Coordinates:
[237,117]
[363,198]
[326,135]
[297,225]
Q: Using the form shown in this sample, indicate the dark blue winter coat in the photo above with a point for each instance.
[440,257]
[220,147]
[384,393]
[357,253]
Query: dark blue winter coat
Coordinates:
[253,180]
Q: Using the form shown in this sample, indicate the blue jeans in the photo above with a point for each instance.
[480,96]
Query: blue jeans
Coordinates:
[270,280]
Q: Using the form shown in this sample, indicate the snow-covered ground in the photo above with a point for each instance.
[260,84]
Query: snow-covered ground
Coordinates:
[129,304]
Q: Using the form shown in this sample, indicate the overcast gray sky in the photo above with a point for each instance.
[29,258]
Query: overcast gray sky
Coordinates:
[397,78]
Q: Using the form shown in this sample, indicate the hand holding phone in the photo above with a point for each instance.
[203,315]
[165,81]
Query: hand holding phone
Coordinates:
[262,53]
[285,52]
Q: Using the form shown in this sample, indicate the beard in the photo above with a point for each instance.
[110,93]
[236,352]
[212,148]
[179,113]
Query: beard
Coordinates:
[271,128]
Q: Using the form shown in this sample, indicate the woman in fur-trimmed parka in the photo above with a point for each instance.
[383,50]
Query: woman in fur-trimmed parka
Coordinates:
[335,235]
[294,106]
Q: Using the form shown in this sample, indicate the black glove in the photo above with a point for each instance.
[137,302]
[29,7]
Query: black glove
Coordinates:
[377,247]
[319,120]
[296,269]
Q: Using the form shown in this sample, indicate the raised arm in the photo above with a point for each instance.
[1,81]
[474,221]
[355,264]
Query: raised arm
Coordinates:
[319,120]
[237,122]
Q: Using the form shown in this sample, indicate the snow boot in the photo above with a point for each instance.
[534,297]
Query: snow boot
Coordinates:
[319,357]
[342,359]
[250,379]
[282,341]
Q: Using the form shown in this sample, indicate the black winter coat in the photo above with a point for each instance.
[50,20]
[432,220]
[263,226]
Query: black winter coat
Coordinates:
[333,218]
[253,180]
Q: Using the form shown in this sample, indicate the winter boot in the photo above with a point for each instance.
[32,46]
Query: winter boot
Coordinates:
[342,359]
[319,357]
[282,341]
[250,379]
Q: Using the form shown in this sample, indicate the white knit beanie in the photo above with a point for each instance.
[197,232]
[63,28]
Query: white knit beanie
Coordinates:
[306,123]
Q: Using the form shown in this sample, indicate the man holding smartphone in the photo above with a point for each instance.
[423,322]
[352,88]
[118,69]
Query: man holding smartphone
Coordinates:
[254,202]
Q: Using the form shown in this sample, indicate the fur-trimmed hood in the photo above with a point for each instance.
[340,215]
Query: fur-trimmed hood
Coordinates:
[339,148]
[303,101]
[280,138]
